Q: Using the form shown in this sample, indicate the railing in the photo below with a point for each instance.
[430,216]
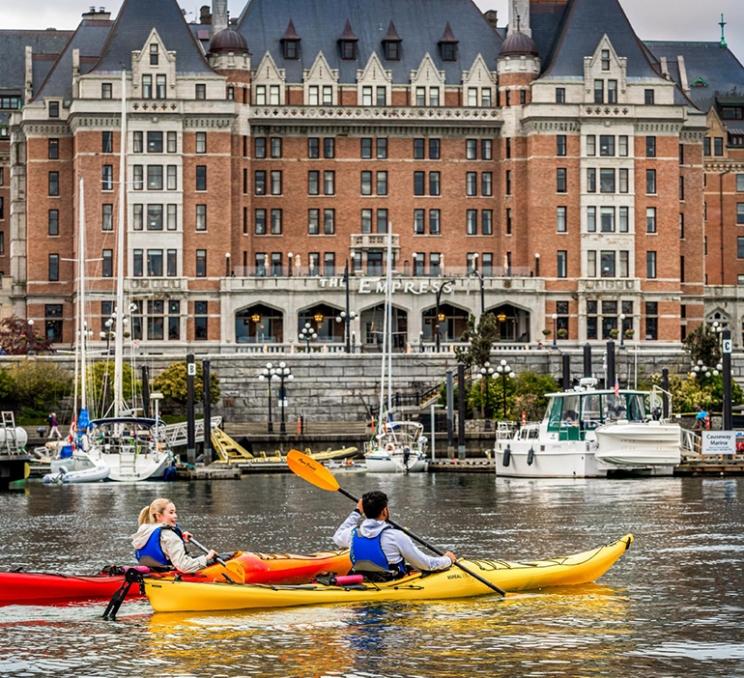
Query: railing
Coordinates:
[692,443]
[175,435]
[285,270]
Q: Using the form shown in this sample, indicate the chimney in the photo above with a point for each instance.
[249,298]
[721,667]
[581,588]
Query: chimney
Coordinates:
[205,16]
[219,16]
[99,13]
[492,17]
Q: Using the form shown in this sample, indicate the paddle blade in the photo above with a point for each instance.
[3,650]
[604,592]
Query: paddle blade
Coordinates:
[314,472]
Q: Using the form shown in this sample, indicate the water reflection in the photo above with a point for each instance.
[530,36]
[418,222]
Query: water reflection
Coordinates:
[672,606]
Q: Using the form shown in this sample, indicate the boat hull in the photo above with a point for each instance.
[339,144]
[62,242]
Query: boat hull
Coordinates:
[564,461]
[638,446]
[386,463]
[42,588]
[131,467]
[580,568]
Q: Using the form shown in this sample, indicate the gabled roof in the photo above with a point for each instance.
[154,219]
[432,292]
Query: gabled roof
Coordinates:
[291,32]
[13,54]
[705,62]
[583,25]
[392,34]
[419,23]
[133,25]
[348,33]
[89,38]
[448,35]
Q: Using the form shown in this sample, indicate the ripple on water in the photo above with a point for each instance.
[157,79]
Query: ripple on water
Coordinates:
[668,606]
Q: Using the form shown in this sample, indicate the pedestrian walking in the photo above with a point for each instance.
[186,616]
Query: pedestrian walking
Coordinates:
[53,426]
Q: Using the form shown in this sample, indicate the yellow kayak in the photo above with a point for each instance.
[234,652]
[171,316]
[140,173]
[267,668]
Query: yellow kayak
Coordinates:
[580,568]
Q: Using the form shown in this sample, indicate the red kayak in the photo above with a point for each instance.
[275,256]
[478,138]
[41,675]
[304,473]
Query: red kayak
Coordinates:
[41,588]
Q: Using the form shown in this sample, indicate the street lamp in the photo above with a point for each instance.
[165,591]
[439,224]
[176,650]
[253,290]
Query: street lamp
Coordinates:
[307,334]
[486,373]
[348,315]
[282,374]
[701,371]
[255,319]
[479,275]
[290,261]
[108,334]
[267,374]
[439,317]
[555,329]
[504,370]
[30,336]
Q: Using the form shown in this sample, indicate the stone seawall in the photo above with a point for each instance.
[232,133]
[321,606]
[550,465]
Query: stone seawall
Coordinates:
[340,387]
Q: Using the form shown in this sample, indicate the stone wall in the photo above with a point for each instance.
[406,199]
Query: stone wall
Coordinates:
[340,387]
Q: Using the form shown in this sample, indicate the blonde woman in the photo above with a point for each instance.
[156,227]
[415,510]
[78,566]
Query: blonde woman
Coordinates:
[160,543]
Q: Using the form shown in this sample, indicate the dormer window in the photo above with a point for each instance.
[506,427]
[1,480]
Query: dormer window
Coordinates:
[154,54]
[347,43]
[448,51]
[605,59]
[291,42]
[448,45]
[291,49]
[391,44]
[391,50]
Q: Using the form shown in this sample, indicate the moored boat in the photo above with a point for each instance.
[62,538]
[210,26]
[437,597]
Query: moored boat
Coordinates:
[580,568]
[589,432]
[44,588]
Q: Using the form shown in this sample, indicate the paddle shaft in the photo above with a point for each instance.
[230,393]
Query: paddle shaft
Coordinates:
[430,547]
[203,548]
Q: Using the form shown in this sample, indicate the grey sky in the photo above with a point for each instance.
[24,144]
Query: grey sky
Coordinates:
[652,19]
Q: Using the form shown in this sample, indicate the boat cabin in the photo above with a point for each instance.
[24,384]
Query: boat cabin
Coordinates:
[573,413]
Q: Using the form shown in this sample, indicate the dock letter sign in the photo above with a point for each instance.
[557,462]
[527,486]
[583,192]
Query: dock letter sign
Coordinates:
[719,442]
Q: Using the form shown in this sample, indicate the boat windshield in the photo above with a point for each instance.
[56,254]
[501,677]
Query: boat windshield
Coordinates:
[590,410]
[563,411]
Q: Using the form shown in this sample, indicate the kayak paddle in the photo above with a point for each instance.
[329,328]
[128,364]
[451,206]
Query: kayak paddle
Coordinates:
[236,569]
[316,474]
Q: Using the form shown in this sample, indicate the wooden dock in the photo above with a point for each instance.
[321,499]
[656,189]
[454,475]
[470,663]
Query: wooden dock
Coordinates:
[478,465]
[711,465]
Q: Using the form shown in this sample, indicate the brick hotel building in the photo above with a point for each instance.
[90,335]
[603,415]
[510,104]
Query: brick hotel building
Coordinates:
[558,172]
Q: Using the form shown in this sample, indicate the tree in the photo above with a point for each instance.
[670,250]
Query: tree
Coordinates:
[481,337]
[17,337]
[703,344]
[36,388]
[525,393]
[171,382]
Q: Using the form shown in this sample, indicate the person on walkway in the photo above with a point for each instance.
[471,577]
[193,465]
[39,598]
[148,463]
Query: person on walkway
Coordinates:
[701,419]
[53,426]
[378,550]
[160,543]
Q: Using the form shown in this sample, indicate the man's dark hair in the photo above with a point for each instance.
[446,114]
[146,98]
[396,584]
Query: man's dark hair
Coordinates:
[373,503]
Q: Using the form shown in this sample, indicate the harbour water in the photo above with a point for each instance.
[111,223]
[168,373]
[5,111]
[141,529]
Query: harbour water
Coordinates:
[672,606]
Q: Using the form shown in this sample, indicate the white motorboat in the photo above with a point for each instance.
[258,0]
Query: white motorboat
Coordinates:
[130,447]
[76,468]
[588,433]
[399,448]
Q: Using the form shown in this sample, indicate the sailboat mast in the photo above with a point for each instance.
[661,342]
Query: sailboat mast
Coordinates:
[380,421]
[119,321]
[82,331]
[389,318]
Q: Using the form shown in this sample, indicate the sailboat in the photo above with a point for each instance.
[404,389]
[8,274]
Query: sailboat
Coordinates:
[76,462]
[398,446]
[129,445]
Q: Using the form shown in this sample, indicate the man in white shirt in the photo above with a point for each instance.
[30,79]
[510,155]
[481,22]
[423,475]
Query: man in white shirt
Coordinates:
[378,548]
